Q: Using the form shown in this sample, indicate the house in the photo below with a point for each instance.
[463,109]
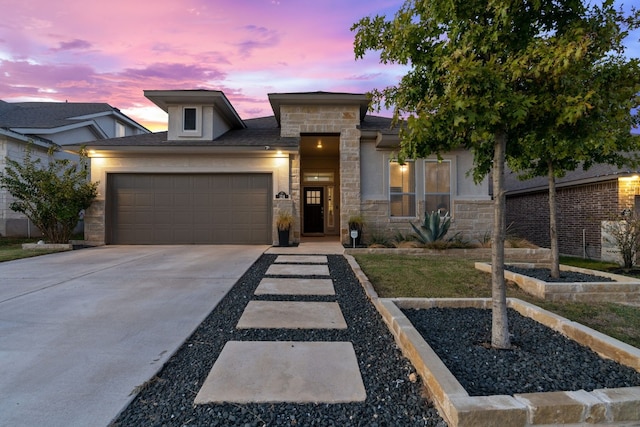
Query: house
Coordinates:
[67,122]
[215,178]
[584,200]
[43,125]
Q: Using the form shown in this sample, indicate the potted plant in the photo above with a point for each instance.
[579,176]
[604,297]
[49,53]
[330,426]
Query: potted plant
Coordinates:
[284,221]
[356,222]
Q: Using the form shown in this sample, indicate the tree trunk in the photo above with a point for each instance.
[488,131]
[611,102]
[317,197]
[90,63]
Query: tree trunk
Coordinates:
[499,324]
[553,222]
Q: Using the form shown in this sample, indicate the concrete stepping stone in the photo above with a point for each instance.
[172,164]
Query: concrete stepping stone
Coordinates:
[292,315]
[279,286]
[309,259]
[297,270]
[284,371]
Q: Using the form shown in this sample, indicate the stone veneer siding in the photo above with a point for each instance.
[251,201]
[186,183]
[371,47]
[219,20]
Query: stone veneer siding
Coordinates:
[94,222]
[471,218]
[579,208]
[343,120]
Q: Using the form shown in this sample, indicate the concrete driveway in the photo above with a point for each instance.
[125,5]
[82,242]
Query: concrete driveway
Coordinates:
[80,330]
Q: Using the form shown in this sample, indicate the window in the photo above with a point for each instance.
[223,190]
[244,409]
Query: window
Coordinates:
[190,119]
[318,176]
[402,189]
[437,186]
[120,130]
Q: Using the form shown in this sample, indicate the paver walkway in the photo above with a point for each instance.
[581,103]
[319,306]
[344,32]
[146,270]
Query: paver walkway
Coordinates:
[288,371]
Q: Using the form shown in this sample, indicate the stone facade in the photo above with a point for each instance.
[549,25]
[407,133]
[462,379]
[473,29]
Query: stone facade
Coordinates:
[471,218]
[343,120]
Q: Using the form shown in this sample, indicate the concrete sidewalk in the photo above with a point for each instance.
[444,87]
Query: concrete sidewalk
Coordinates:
[80,330]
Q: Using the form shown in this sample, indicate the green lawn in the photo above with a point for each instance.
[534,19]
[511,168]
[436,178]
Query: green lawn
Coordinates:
[434,276]
[11,249]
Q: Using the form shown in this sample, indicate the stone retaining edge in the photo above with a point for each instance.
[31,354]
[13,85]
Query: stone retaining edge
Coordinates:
[512,254]
[623,289]
[47,246]
[604,406]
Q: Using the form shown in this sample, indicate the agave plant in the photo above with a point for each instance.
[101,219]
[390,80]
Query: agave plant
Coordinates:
[434,228]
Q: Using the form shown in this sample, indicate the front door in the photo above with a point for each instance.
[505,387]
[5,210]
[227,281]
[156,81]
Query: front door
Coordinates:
[313,210]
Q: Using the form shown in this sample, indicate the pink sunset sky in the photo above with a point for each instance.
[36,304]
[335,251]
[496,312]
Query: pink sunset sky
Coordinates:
[111,51]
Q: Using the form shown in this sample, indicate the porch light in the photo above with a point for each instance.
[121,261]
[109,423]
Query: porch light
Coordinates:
[319,146]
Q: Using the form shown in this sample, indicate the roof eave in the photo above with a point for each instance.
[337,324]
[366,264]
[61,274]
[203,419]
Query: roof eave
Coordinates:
[53,130]
[27,139]
[111,151]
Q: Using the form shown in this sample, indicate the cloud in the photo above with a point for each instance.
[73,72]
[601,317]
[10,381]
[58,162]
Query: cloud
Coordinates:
[72,45]
[260,38]
[173,72]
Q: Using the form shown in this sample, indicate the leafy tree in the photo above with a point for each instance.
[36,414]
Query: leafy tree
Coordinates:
[586,116]
[51,195]
[469,84]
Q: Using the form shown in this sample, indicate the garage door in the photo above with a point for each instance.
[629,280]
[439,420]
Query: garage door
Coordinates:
[188,209]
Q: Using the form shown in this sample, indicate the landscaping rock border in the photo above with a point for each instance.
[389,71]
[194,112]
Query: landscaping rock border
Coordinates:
[618,289]
[603,406]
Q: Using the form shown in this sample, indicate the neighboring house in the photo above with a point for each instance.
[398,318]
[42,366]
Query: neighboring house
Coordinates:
[584,200]
[46,124]
[214,178]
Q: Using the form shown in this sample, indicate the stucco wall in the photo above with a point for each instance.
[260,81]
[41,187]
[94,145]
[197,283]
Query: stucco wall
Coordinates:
[472,208]
[212,124]
[375,175]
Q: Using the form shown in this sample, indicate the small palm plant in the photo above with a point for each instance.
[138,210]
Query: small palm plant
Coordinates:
[434,228]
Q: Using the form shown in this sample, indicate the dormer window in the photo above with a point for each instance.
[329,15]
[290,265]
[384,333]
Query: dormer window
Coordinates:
[191,121]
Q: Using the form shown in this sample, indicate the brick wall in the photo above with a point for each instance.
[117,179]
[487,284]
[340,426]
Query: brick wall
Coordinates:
[579,208]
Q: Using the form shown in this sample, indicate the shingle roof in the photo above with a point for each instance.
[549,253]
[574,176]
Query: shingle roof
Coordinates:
[598,172]
[383,124]
[46,115]
[258,132]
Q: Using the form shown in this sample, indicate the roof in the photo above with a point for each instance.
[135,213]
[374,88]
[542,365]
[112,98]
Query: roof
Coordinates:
[47,114]
[257,133]
[41,142]
[31,118]
[597,173]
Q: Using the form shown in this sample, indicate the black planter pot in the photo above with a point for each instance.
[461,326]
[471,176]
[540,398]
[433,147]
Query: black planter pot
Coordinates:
[283,237]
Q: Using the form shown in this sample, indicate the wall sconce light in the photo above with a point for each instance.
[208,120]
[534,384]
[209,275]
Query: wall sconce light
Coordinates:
[319,146]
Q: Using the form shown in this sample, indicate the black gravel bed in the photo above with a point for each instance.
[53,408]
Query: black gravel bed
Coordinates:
[541,360]
[544,274]
[392,398]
